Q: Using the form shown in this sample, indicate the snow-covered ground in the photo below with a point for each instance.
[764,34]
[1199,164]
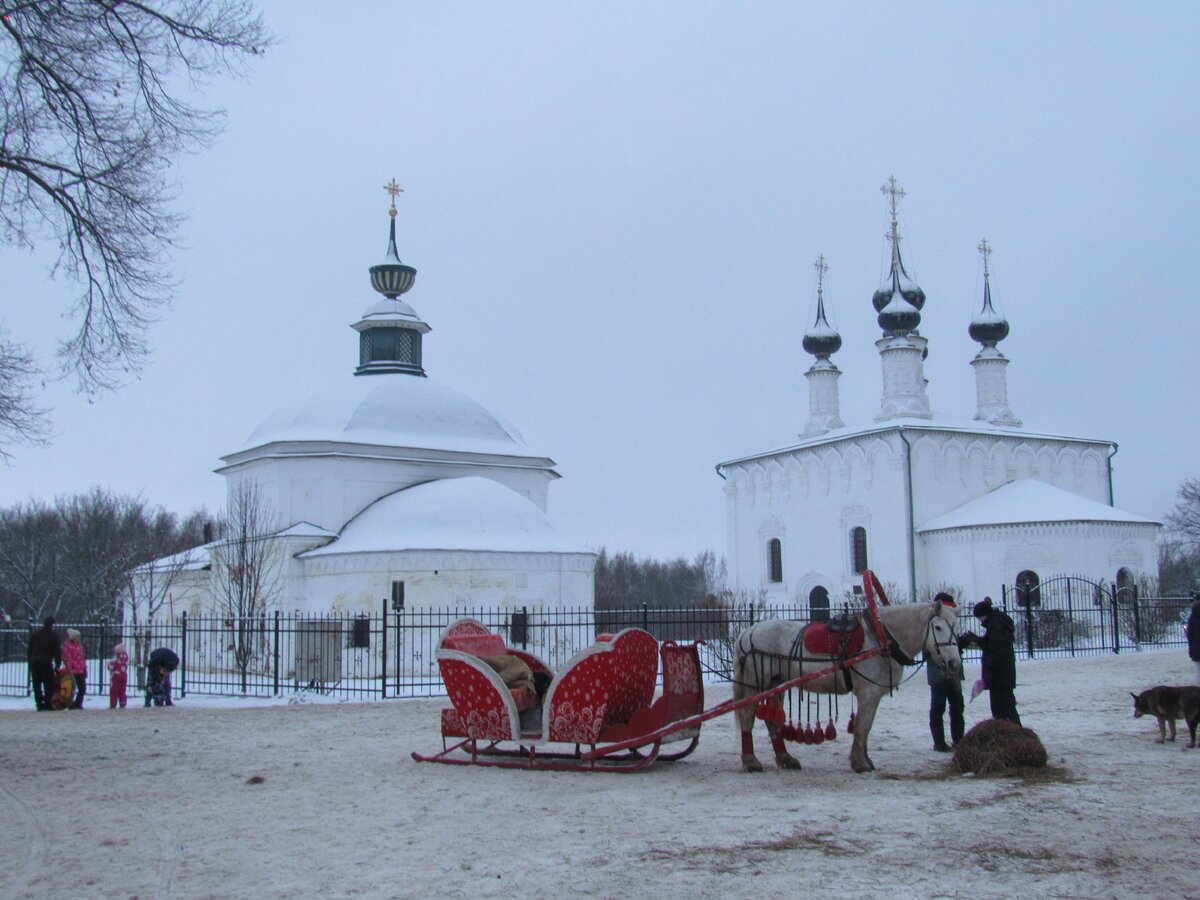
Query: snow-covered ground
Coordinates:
[207,799]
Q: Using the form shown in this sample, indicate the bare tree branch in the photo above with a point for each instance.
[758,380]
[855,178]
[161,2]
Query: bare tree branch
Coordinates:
[91,115]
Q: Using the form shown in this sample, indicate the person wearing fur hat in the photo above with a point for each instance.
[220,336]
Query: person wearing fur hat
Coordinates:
[73,660]
[999,658]
[944,691]
[118,668]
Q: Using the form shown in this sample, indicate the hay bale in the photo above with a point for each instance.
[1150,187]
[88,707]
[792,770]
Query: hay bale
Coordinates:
[997,745]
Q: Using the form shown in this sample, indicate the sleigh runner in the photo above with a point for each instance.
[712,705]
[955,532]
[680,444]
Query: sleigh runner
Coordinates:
[601,701]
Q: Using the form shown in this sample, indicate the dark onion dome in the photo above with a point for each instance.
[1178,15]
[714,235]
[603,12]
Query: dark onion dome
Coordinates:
[988,327]
[899,315]
[898,281]
[822,340]
[391,277]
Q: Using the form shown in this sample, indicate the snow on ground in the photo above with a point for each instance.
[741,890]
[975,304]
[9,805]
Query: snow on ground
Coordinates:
[310,799]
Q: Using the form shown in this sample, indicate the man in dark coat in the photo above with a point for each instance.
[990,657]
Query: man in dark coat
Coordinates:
[44,655]
[944,691]
[1193,634]
[999,658]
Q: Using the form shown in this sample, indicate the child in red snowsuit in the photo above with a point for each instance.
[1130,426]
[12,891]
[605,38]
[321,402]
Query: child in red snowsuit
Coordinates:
[118,667]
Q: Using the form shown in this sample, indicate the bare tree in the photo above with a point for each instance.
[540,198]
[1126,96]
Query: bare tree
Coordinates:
[1184,521]
[21,419]
[92,112]
[247,572]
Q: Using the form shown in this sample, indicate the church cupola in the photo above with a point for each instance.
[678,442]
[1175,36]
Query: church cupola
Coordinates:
[390,330]
[902,350]
[991,380]
[822,341]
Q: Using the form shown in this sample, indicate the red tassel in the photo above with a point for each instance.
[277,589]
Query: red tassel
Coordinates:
[780,715]
[818,734]
[763,710]
[808,734]
[789,732]
[830,732]
[850,725]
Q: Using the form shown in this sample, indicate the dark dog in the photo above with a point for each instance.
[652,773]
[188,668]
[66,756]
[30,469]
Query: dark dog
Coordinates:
[1168,704]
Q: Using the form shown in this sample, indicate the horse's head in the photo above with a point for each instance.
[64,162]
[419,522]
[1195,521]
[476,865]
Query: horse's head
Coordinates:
[941,640]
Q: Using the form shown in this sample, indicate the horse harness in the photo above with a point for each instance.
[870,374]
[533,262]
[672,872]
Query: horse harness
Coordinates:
[845,627]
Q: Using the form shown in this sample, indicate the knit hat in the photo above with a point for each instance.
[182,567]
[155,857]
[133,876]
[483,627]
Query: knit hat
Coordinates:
[944,598]
[983,608]
[73,634]
[119,649]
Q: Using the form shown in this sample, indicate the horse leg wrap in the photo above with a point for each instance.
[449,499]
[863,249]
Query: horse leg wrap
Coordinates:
[777,743]
[747,744]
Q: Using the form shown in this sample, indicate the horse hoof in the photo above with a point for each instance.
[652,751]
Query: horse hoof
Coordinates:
[787,761]
[750,763]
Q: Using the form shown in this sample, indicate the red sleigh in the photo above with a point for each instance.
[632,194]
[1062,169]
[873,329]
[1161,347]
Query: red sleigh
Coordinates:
[603,700]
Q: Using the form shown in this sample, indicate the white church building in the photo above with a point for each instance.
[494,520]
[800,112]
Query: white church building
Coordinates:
[925,500]
[390,487]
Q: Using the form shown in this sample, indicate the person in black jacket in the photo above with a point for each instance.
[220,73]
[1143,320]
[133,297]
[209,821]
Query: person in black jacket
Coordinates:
[1193,634]
[44,655]
[999,658]
[943,691]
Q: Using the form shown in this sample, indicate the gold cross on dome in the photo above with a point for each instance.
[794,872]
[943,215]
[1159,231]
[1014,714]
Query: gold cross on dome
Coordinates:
[392,188]
[985,250]
[895,193]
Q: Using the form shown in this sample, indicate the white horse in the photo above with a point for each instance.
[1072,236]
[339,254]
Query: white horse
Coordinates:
[772,652]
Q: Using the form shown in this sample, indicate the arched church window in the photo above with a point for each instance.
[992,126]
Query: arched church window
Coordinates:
[858,549]
[818,604]
[1126,590]
[1029,588]
[775,559]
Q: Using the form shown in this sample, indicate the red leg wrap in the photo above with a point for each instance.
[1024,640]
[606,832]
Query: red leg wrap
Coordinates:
[747,744]
[777,744]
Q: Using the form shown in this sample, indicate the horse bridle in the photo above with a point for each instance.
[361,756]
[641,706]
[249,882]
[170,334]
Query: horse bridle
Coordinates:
[938,645]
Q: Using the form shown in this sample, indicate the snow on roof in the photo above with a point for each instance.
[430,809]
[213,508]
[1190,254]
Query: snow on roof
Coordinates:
[305,529]
[471,513]
[193,559]
[394,410]
[1027,501]
[937,423]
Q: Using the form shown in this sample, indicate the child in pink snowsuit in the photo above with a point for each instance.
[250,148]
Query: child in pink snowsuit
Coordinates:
[118,666]
[72,657]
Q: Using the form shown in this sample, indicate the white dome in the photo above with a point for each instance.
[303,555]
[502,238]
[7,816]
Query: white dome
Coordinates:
[392,410]
[472,513]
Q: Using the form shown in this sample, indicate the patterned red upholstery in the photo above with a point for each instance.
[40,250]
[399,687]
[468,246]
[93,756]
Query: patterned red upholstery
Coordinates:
[476,644]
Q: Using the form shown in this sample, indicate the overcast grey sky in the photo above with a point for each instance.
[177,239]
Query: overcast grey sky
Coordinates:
[614,210]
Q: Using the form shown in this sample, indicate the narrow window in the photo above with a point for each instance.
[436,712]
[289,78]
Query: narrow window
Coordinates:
[1029,590]
[361,635]
[858,549]
[775,554]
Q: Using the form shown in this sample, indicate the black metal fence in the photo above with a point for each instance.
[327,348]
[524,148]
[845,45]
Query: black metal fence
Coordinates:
[393,654]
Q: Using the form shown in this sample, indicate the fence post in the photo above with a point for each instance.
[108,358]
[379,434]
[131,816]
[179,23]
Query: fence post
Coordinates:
[275,661]
[183,655]
[1137,615]
[1116,614]
[383,653]
[645,617]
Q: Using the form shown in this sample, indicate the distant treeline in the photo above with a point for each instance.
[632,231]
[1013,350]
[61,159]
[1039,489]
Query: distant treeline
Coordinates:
[624,581]
[71,558]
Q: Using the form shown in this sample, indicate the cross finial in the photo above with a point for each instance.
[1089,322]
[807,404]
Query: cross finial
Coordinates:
[894,192]
[985,250]
[392,188]
[822,267]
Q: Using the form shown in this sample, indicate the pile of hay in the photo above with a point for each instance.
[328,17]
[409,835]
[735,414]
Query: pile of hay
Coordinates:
[996,745]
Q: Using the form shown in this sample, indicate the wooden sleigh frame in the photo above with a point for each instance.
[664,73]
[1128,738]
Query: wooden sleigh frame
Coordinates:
[602,699]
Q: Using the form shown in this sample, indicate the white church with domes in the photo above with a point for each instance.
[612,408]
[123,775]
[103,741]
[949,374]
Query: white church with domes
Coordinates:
[390,486]
[925,500]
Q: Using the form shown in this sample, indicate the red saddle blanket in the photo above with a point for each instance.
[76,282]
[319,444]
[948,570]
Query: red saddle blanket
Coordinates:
[819,639]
